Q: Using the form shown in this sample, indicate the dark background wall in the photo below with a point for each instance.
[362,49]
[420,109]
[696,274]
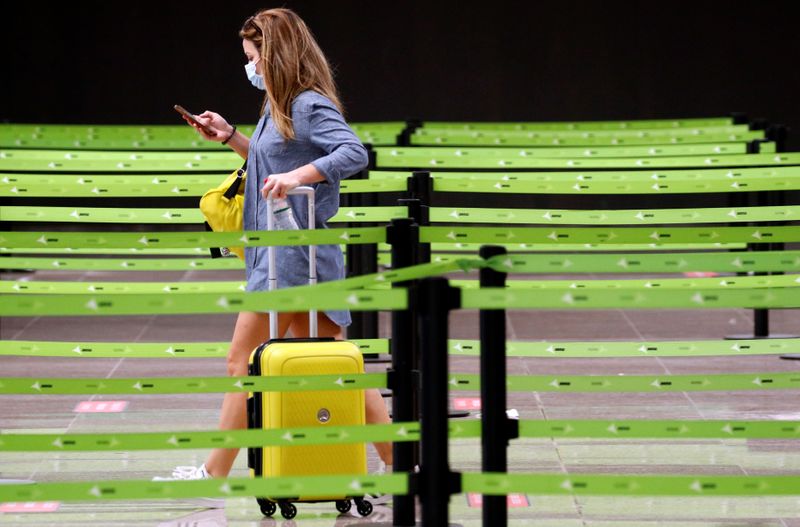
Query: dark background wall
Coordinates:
[129,62]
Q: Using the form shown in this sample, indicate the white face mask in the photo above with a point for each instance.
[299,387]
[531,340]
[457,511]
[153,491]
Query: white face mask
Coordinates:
[255,79]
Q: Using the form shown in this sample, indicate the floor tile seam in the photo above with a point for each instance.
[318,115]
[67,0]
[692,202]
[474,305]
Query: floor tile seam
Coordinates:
[93,396]
[77,416]
[512,333]
[631,324]
[19,333]
[82,278]
[686,395]
[562,465]
[660,362]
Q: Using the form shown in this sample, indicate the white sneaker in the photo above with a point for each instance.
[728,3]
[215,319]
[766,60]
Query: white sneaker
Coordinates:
[184,473]
[377,498]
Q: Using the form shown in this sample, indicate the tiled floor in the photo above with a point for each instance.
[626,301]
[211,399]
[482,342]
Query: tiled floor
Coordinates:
[199,412]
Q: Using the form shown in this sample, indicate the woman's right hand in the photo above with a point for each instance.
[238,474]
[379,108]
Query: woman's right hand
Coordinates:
[215,127]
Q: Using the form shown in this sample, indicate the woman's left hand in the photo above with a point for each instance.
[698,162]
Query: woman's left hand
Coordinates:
[280,184]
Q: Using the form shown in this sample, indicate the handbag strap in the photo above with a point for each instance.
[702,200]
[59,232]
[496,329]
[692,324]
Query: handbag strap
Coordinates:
[215,251]
[234,188]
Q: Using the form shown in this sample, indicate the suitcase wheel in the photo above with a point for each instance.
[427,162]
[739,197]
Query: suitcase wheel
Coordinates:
[267,507]
[288,510]
[363,507]
[343,506]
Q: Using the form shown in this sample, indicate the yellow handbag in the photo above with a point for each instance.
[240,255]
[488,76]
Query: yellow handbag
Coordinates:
[222,208]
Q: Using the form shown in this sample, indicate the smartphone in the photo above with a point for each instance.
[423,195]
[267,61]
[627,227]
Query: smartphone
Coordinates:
[181,110]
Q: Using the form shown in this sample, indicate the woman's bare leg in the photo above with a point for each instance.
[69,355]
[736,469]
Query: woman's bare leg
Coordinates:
[378,414]
[376,408]
[251,330]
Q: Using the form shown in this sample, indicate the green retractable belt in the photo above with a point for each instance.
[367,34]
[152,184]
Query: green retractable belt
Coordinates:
[457,382]
[724,262]
[228,488]
[599,235]
[439,215]
[630,299]
[651,485]
[699,149]
[551,349]
[116,264]
[656,135]
[171,216]
[390,299]
[384,280]
[183,240]
[614,217]
[395,158]
[722,283]
[144,350]
[396,432]
[423,137]
[170,185]
[638,124]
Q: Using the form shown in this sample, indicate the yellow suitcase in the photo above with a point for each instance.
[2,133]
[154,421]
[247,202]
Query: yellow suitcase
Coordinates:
[270,410]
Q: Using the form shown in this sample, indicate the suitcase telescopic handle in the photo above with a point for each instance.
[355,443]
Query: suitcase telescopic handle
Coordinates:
[272,278]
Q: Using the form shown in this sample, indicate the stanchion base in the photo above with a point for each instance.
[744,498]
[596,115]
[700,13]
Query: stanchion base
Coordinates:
[756,337]
[377,358]
[791,357]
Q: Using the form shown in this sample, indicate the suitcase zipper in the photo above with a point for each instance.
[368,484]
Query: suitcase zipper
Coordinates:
[254,415]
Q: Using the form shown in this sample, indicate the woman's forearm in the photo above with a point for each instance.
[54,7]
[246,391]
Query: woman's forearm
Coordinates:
[239,143]
[308,174]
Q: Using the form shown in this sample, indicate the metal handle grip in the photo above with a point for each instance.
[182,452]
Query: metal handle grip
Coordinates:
[272,279]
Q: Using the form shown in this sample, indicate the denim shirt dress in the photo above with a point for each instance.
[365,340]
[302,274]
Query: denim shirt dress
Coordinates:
[322,138]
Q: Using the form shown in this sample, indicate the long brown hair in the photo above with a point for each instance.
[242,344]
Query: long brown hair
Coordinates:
[292,63]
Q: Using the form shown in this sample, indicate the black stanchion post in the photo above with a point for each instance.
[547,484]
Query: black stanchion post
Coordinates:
[760,316]
[403,235]
[354,263]
[362,259]
[404,137]
[420,187]
[368,253]
[778,133]
[496,428]
[435,299]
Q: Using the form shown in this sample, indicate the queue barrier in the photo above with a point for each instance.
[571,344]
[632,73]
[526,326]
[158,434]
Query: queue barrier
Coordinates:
[551,349]
[164,137]
[39,287]
[403,158]
[396,432]
[437,214]
[584,125]
[488,299]
[397,484]
[603,182]
[444,159]
[9,157]
[562,236]
[432,137]
[467,382]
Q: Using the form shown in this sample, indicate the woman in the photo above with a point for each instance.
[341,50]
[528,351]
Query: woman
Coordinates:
[301,139]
